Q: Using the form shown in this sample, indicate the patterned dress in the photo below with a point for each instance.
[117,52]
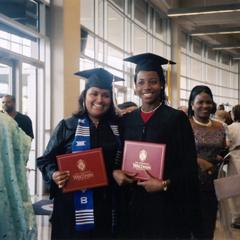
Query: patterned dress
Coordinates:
[17,220]
[210,141]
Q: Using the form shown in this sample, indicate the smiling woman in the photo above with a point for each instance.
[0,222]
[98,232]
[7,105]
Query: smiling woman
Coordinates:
[98,102]
[148,88]
[95,125]
[159,208]
[210,141]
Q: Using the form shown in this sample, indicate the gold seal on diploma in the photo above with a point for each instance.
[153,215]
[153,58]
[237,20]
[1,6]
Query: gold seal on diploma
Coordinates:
[81,165]
[143,155]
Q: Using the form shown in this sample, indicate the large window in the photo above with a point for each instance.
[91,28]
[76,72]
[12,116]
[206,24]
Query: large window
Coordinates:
[115,27]
[113,30]
[5,79]
[200,65]
[24,52]
[18,44]
[25,12]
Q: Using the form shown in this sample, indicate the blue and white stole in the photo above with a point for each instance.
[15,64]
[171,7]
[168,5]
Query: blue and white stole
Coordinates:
[83,200]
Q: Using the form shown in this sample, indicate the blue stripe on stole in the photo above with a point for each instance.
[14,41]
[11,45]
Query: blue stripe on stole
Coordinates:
[83,200]
[84,214]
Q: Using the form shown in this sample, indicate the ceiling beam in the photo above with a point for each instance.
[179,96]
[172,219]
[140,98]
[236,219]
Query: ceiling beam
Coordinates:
[215,31]
[178,12]
[226,47]
[236,57]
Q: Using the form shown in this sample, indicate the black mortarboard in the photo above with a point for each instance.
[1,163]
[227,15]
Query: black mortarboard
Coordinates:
[98,77]
[152,62]
[148,62]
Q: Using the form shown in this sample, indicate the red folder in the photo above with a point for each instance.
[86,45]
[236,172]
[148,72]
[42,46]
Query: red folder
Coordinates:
[141,156]
[87,169]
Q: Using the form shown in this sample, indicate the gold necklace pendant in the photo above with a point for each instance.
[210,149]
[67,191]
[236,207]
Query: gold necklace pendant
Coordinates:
[208,124]
[153,110]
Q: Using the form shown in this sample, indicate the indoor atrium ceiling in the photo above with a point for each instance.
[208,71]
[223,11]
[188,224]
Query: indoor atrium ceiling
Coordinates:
[216,22]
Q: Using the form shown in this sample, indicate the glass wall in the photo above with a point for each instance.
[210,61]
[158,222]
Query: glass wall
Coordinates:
[18,44]
[5,80]
[113,30]
[203,66]
[24,52]
[25,12]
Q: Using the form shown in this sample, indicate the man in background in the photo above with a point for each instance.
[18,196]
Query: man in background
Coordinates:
[127,107]
[23,121]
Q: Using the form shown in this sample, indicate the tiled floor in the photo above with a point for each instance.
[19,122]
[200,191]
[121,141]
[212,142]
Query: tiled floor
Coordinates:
[44,230]
[220,235]
[44,227]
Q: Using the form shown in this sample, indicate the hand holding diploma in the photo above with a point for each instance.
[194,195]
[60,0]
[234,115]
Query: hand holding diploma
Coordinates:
[153,184]
[60,177]
[123,177]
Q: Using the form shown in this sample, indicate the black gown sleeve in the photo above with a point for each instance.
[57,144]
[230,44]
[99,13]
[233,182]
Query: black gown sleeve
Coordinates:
[47,162]
[185,150]
[184,179]
[119,153]
[29,129]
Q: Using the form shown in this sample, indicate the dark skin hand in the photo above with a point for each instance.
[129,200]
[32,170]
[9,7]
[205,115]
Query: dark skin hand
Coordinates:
[204,164]
[123,178]
[152,184]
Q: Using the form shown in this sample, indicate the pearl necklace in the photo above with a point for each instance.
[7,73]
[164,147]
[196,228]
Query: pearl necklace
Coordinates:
[208,124]
[151,110]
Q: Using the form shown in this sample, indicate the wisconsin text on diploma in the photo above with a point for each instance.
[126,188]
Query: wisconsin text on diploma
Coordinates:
[141,166]
[83,176]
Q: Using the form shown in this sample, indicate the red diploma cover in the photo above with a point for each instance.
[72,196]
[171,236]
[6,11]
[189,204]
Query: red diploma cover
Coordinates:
[87,169]
[141,156]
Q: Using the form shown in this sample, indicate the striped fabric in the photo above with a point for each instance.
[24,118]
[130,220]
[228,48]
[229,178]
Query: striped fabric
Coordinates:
[83,200]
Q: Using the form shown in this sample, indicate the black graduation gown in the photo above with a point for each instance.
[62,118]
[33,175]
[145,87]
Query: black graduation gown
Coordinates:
[63,218]
[175,212]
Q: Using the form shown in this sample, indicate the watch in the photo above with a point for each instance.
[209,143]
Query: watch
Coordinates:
[165,184]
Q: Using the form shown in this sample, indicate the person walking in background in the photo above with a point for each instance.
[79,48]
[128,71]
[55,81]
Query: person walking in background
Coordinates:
[183,108]
[127,107]
[17,219]
[24,122]
[234,128]
[95,125]
[234,162]
[223,117]
[210,141]
[159,208]
[221,107]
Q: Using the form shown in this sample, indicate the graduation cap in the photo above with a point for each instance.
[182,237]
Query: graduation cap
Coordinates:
[148,62]
[98,77]
[152,62]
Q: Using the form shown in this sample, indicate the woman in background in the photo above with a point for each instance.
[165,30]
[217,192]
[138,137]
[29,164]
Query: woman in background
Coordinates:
[234,162]
[210,141]
[234,128]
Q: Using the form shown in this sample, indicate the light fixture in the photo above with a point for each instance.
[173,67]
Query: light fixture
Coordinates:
[227,8]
